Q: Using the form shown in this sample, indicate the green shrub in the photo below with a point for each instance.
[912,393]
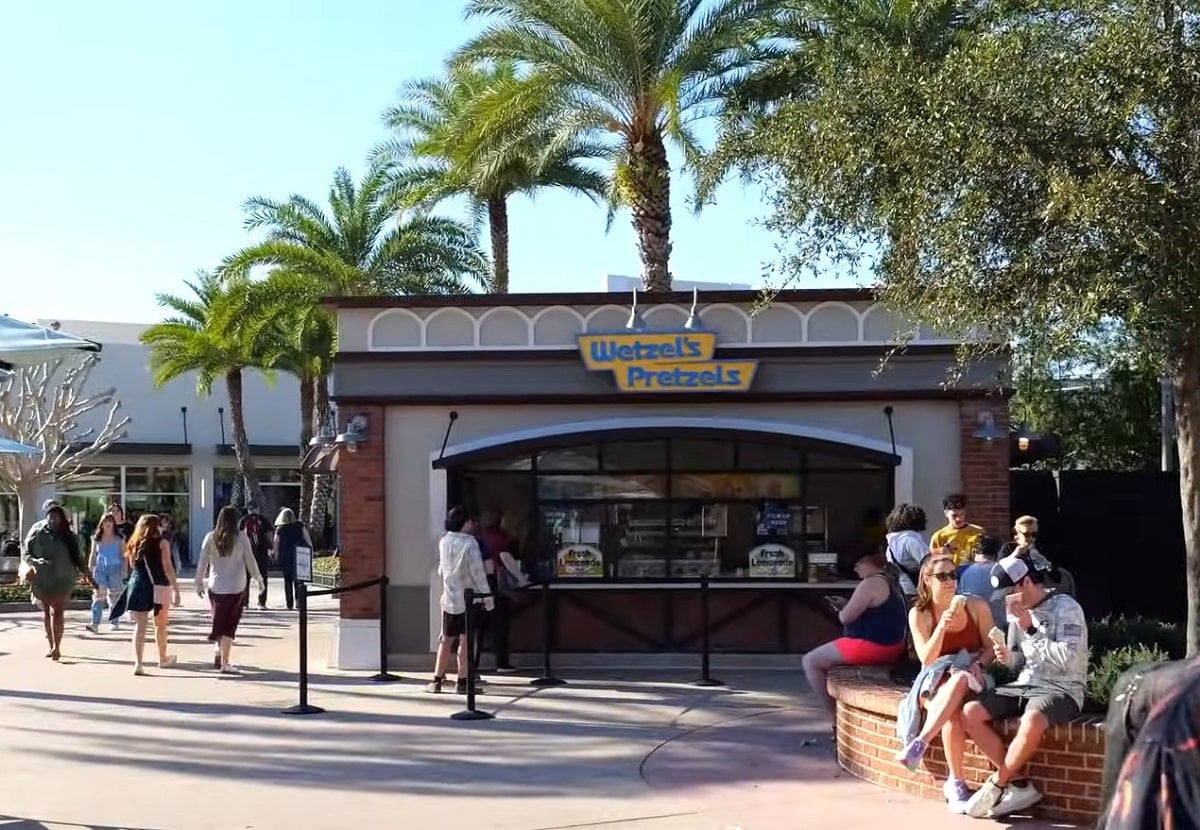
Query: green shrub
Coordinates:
[1115,633]
[327,570]
[1105,667]
[20,593]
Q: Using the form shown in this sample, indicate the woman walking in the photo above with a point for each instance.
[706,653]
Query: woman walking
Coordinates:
[52,563]
[289,535]
[107,566]
[153,587]
[226,552]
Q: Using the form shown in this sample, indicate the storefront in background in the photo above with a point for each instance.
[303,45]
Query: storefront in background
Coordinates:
[631,452]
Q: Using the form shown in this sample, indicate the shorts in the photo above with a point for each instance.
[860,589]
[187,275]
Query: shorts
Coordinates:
[867,653]
[1012,701]
[453,625]
[110,575]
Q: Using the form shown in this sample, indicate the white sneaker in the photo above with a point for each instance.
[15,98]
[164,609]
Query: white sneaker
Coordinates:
[957,795]
[1017,797]
[985,799]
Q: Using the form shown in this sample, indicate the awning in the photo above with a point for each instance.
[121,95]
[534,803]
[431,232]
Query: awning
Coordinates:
[26,344]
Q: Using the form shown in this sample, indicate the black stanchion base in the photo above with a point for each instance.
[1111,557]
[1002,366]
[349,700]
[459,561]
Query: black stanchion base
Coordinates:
[472,714]
[547,681]
[386,677]
[305,709]
[707,681]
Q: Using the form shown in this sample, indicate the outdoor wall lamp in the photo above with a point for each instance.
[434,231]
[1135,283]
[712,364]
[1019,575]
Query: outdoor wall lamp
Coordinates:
[635,323]
[694,323]
[357,430]
[988,431]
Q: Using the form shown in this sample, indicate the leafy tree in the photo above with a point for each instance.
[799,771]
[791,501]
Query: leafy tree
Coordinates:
[1103,404]
[643,70]
[208,334]
[438,153]
[1045,174]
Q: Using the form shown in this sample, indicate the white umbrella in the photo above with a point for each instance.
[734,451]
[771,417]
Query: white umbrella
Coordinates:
[25,344]
[10,447]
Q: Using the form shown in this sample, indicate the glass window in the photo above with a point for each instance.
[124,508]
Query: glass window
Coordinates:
[521,462]
[853,505]
[265,475]
[571,459]
[821,461]
[735,486]
[755,456]
[692,454]
[157,479]
[104,480]
[635,455]
[559,488]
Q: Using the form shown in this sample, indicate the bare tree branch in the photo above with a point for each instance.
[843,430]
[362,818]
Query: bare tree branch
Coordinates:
[42,406]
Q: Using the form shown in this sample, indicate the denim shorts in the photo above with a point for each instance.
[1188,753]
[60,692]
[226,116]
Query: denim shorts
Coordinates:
[110,575]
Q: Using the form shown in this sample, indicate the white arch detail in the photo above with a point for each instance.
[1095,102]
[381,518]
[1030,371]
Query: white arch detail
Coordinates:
[596,311]
[903,471]
[579,318]
[740,312]
[508,310]
[446,311]
[386,312]
[835,304]
[752,318]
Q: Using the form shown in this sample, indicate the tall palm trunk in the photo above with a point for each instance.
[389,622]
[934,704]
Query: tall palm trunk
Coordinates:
[241,444]
[323,485]
[497,209]
[306,433]
[649,197]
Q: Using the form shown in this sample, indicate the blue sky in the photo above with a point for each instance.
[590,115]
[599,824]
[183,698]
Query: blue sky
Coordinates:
[134,131]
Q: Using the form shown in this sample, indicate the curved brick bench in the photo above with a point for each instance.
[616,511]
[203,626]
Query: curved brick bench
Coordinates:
[1067,767]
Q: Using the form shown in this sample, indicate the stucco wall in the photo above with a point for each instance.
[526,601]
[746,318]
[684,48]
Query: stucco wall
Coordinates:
[930,429]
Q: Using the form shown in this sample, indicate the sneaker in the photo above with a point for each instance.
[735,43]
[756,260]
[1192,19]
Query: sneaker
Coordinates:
[506,669]
[114,626]
[168,661]
[139,671]
[985,799]
[957,795]
[435,687]
[1017,797]
[95,629]
[912,754]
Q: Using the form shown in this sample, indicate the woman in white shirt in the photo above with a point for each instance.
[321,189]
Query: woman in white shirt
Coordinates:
[226,552]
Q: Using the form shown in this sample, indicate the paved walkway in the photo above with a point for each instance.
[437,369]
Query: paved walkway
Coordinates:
[85,744]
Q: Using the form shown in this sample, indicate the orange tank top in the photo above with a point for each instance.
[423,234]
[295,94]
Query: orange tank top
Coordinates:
[969,639]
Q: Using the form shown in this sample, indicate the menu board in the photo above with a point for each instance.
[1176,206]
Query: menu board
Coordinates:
[579,562]
[774,561]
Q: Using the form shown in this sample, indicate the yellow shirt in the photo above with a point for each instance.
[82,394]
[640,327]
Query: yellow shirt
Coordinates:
[961,541]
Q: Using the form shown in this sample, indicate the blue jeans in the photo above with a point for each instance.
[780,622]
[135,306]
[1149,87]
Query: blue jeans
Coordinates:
[110,581]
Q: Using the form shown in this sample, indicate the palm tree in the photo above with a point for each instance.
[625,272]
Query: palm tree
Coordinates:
[644,70]
[362,244]
[207,335]
[439,153]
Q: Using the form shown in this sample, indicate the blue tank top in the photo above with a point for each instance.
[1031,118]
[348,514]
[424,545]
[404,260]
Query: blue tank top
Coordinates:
[884,624]
[109,553]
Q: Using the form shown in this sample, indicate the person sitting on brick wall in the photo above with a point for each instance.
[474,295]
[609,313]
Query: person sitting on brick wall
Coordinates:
[1025,544]
[1047,642]
[957,539]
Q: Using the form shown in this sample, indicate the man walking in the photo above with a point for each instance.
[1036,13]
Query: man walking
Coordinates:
[460,565]
[255,527]
[1047,642]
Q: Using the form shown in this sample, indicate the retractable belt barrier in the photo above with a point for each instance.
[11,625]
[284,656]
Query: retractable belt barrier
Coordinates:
[302,595]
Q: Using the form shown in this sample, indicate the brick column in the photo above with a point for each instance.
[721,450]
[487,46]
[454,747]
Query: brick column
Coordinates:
[362,521]
[983,466]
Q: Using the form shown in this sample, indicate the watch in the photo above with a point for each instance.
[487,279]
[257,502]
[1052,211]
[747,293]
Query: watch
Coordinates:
[1031,630]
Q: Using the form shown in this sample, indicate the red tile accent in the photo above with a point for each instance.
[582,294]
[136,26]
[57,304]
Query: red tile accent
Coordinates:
[362,525]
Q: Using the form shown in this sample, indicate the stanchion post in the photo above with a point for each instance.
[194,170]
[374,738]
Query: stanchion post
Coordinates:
[303,707]
[470,713]
[705,678]
[547,678]
[384,675]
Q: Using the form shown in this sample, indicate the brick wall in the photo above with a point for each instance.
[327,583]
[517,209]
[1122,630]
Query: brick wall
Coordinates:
[984,466]
[1067,767]
[362,525]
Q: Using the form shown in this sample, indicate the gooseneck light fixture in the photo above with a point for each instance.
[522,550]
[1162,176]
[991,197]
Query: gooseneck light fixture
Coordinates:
[694,323]
[635,323]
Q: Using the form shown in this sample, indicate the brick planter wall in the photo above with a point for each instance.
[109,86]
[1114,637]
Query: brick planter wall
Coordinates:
[1067,767]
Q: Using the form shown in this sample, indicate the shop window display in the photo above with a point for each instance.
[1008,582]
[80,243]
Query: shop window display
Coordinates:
[676,508]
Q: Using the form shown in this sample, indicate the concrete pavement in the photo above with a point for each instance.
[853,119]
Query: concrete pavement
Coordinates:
[85,744]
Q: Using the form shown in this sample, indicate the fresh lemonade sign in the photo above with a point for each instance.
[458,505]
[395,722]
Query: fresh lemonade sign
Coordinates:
[665,361]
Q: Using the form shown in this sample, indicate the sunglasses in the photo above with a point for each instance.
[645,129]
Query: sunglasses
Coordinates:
[949,576]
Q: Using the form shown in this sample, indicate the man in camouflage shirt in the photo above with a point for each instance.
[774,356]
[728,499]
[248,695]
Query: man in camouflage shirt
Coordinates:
[1047,642]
